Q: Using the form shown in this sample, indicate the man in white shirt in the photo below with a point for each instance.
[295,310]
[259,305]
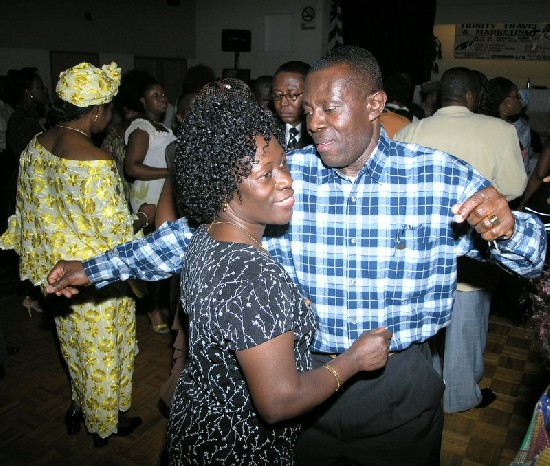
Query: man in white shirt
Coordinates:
[491,146]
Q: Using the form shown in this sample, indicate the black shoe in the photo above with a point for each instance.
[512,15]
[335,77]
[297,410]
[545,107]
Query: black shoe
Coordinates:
[128,427]
[487,397]
[99,442]
[73,419]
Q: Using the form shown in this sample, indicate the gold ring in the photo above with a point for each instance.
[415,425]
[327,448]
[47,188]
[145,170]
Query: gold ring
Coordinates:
[494,220]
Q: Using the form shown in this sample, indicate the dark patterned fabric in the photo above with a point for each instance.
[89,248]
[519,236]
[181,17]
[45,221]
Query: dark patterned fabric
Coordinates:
[237,297]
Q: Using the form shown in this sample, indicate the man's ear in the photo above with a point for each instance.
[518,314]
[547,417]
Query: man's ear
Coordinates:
[376,103]
[471,100]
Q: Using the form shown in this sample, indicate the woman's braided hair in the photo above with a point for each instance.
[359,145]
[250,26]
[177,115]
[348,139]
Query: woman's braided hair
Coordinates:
[216,148]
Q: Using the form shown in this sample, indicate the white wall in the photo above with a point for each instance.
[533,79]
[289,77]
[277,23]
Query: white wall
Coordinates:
[38,58]
[451,12]
[212,16]
[53,25]
[116,31]
[151,28]
[141,27]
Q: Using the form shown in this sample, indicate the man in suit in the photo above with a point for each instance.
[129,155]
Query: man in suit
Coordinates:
[286,93]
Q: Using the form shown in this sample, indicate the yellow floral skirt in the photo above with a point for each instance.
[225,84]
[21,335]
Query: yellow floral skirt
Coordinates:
[98,338]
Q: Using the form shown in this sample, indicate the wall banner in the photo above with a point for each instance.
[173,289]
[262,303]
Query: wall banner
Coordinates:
[503,41]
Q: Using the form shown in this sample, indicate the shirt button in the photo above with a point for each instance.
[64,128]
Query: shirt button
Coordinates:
[352,281]
[353,240]
[354,321]
[353,199]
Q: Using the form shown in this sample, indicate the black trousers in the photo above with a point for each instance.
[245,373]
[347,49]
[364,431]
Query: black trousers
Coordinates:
[384,418]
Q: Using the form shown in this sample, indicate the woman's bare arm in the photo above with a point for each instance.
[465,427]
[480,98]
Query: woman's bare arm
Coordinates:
[280,392]
[138,145]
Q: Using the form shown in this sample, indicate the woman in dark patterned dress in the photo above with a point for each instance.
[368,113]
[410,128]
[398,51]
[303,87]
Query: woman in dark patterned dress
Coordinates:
[249,367]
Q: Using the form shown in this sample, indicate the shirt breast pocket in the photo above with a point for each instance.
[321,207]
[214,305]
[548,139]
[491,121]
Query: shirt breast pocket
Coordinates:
[413,262]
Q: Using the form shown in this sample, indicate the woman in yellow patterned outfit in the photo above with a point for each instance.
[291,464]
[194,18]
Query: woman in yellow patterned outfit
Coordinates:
[71,203]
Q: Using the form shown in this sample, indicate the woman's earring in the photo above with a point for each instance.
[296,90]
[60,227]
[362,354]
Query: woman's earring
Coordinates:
[96,117]
[225,206]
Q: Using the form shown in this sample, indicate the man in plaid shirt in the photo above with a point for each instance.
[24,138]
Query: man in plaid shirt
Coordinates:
[373,242]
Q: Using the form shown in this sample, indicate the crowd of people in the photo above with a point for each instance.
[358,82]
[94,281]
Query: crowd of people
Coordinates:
[334,243]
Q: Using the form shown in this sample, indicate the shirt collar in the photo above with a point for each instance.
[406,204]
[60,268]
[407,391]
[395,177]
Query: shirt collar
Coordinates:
[377,161]
[373,167]
[452,109]
[375,164]
[287,130]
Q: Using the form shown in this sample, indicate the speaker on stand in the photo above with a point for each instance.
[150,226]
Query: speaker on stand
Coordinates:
[237,41]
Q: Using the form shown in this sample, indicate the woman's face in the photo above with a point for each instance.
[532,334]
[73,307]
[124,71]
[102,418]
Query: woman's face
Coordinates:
[267,194]
[154,100]
[39,92]
[39,96]
[511,105]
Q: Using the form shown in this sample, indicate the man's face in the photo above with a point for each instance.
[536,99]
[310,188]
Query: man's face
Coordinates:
[340,117]
[288,84]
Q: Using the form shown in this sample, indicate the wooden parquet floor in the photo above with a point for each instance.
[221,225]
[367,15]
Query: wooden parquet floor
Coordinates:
[34,396]
[513,370]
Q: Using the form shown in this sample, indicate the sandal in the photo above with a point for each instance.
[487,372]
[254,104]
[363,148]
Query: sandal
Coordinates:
[161,329]
[31,305]
[158,324]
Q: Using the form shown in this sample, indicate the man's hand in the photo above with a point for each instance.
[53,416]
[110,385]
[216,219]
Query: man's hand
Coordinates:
[65,277]
[488,212]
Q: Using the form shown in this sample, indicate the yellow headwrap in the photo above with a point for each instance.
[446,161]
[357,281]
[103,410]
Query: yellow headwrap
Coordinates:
[85,85]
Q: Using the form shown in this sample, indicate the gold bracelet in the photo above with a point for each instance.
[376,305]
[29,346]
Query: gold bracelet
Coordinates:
[334,372]
[146,218]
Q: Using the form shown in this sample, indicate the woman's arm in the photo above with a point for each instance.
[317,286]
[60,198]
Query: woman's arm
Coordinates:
[138,145]
[166,207]
[280,392]
[145,216]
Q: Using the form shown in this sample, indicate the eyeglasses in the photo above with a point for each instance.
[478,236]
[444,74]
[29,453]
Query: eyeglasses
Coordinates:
[279,96]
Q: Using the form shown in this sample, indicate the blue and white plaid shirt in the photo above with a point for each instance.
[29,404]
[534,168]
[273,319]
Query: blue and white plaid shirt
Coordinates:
[376,251]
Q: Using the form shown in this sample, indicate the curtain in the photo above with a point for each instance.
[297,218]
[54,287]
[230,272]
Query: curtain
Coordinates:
[335,36]
[399,34]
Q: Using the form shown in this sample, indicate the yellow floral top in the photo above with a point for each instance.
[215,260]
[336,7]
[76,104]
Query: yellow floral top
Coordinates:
[70,209]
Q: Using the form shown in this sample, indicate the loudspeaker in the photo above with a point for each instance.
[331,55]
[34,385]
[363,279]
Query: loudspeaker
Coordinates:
[236,40]
[242,74]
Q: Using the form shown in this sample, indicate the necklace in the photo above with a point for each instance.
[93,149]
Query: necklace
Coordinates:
[74,129]
[245,232]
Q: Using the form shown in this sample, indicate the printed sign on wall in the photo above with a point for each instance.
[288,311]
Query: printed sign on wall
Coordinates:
[503,41]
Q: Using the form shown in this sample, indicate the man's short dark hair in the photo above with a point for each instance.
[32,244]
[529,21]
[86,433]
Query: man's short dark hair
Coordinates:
[456,82]
[364,69]
[295,66]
